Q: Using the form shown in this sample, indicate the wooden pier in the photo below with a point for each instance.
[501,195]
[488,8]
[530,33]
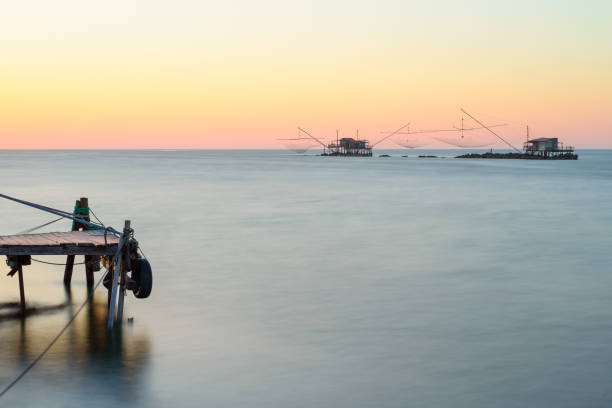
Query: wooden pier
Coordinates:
[59,243]
[118,251]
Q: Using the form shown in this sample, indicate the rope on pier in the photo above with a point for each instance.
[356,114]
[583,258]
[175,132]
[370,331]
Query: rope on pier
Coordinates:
[61,218]
[60,263]
[40,226]
[61,213]
[96,217]
[75,218]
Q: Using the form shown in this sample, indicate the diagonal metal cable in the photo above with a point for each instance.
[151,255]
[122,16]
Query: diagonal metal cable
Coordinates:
[60,213]
[40,226]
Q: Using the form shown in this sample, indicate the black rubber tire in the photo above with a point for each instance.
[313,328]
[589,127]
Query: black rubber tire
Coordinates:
[107,280]
[143,275]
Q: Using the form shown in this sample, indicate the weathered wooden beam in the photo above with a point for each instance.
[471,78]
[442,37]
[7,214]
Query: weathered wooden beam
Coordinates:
[111,271]
[59,250]
[68,270]
[70,258]
[84,204]
[89,270]
[21,290]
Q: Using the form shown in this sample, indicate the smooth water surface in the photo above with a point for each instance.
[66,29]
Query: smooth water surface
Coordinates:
[285,280]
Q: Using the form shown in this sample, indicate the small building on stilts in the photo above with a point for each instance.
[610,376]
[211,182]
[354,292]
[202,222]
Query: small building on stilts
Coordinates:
[548,148]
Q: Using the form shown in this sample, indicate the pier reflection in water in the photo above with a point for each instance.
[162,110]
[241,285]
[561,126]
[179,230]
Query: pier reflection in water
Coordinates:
[88,359]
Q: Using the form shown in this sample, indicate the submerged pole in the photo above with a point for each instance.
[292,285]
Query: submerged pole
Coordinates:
[122,283]
[113,301]
[70,258]
[21,290]
[119,271]
[120,305]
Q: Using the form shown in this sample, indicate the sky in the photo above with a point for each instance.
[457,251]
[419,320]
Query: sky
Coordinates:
[242,74]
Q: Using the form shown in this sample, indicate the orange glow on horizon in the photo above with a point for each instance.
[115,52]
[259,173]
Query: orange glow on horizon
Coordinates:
[181,78]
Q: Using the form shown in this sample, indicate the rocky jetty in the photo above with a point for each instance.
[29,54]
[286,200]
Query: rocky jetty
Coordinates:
[525,156]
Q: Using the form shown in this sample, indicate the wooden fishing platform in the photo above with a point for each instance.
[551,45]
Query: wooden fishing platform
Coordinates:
[60,243]
[99,244]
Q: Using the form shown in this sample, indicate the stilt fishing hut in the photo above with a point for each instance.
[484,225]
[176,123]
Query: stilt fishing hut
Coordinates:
[533,149]
[117,250]
[547,147]
[348,146]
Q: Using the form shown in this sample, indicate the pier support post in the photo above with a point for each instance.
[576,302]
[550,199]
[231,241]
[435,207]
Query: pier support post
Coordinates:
[68,270]
[89,269]
[81,210]
[70,258]
[21,290]
[111,271]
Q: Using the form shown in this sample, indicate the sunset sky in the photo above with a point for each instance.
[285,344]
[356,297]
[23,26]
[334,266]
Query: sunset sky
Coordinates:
[240,74]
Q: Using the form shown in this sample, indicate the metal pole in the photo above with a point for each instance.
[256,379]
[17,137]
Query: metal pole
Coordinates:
[485,127]
[111,310]
[118,270]
[312,137]
[122,274]
[392,133]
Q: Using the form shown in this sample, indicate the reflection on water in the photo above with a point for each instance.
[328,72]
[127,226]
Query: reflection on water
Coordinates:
[87,349]
[12,310]
[286,280]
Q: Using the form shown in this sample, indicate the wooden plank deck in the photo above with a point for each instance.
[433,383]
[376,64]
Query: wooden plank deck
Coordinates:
[59,243]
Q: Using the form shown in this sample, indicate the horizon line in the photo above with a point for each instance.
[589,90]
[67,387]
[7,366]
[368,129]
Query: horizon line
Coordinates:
[252,149]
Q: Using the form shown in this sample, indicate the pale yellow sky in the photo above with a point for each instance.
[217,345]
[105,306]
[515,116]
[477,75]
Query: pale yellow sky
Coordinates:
[197,74]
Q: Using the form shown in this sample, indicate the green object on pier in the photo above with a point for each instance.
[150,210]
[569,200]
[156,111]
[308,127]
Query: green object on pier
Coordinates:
[79,212]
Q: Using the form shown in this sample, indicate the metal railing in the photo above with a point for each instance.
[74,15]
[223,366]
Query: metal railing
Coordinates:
[528,147]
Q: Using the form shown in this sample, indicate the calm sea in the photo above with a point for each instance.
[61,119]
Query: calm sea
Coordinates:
[285,280]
